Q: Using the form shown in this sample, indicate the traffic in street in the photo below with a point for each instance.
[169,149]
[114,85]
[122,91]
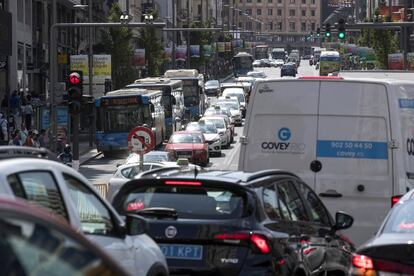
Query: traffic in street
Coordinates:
[219,157]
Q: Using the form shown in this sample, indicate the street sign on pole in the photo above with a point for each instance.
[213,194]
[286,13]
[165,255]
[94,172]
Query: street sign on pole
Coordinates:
[141,140]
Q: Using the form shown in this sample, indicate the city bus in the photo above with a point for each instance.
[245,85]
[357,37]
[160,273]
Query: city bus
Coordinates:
[261,52]
[242,64]
[329,62]
[278,53]
[173,99]
[118,112]
[193,90]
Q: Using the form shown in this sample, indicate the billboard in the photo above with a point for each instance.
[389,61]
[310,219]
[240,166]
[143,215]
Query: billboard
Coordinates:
[139,58]
[5,33]
[102,66]
[396,61]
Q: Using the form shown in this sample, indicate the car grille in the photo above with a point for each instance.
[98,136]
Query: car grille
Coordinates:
[184,153]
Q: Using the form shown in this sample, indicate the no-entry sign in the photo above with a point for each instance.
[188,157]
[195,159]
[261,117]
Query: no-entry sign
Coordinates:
[141,140]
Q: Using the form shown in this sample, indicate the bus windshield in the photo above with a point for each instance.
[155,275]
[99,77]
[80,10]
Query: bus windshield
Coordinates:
[330,58]
[243,62]
[278,55]
[123,118]
[191,96]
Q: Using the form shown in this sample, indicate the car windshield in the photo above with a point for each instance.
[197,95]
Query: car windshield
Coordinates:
[229,105]
[212,83]
[239,96]
[401,219]
[203,128]
[185,138]
[193,202]
[219,123]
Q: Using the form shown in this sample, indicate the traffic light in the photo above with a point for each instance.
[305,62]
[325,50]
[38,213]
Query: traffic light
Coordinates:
[74,86]
[327,30]
[318,32]
[341,29]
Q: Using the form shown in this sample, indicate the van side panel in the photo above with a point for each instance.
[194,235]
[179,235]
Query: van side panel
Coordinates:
[281,128]
[405,104]
[352,145]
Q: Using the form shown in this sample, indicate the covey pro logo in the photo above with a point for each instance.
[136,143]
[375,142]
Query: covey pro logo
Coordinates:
[283,143]
[265,89]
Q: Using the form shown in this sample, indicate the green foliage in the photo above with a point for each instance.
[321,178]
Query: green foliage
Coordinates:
[201,38]
[150,40]
[382,41]
[117,42]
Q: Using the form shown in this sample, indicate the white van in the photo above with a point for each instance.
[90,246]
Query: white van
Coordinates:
[352,140]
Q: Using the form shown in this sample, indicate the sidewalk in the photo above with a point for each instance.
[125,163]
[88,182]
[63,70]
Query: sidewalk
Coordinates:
[86,153]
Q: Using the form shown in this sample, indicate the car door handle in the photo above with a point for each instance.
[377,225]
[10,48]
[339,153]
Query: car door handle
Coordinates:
[330,193]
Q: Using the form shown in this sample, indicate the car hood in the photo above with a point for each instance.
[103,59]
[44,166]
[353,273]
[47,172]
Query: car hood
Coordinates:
[211,136]
[185,146]
[211,87]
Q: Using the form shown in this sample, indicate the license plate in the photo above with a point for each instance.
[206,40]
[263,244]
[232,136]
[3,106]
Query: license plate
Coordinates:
[184,156]
[181,251]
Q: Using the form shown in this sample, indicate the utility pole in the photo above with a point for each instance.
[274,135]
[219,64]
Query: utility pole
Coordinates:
[188,35]
[52,83]
[174,33]
[90,70]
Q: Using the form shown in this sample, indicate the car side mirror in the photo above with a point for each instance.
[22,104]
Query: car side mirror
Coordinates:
[135,225]
[342,221]
[152,108]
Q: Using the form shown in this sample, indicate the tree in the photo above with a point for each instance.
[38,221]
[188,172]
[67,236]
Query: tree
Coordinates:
[117,42]
[154,50]
[383,41]
[201,38]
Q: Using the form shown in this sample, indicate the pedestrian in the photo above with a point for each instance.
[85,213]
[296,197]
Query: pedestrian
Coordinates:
[15,103]
[29,140]
[4,134]
[12,125]
[35,137]
[66,156]
[43,139]
[5,104]
[16,138]
[27,112]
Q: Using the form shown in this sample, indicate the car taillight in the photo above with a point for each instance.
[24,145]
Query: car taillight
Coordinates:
[258,240]
[395,199]
[361,261]
[183,183]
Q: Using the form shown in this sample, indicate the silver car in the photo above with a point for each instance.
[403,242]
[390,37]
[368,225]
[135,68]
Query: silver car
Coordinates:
[68,194]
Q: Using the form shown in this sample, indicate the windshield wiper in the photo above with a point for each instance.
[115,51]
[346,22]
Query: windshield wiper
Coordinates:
[158,212]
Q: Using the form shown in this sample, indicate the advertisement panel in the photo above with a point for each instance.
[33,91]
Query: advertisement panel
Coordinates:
[396,61]
[221,48]
[80,63]
[168,54]
[207,50]
[228,46]
[181,52]
[195,51]
[102,67]
[139,58]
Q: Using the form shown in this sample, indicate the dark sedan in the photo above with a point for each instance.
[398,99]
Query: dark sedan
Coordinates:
[288,69]
[212,88]
[236,223]
[391,250]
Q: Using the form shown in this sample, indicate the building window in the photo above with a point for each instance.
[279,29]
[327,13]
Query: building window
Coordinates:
[258,26]
[303,1]
[292,26]
[279,12]
[313,26]
[259,11]
[303,26]
[249,1]
[270,26]
[312,12]
[270,12]
[249,11]
[303,12]
[291,12]
[279,1]
[270,1]
[249,25]
[292,1]
[279,26]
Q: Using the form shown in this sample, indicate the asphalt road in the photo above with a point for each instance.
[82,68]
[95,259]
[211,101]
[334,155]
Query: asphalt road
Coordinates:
[100,169]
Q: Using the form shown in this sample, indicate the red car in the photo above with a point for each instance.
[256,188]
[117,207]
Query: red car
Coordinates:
[190,145]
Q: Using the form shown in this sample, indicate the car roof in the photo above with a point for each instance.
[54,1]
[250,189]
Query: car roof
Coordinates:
[233,90]
[187,132]
[213,117]
[235,177]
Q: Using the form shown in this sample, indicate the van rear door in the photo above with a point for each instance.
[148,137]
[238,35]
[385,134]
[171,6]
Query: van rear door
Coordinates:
[281,130]
[352,147]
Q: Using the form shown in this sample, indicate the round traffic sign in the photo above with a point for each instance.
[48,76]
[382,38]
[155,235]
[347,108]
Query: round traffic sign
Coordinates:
[141,140]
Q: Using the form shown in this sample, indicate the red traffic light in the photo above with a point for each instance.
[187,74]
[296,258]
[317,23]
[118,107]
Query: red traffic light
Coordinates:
[74,79]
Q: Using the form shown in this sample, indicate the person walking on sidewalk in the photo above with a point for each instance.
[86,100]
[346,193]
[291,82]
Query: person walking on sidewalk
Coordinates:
[43,139]
[15,103]
[5,104]
[4,134]
[27,112]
